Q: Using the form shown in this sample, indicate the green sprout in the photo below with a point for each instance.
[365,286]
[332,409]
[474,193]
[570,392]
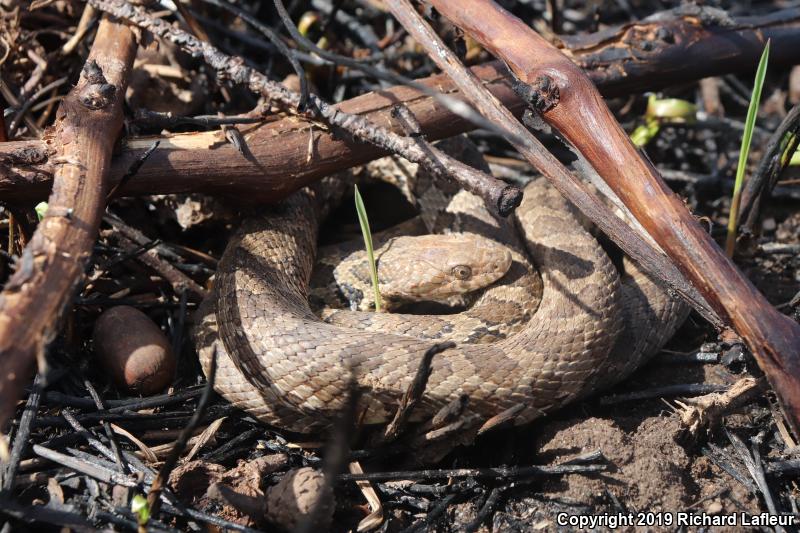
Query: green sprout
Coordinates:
[365,231]
[744,152]
[661,110]
[645,133]
[140,508]
[41,209]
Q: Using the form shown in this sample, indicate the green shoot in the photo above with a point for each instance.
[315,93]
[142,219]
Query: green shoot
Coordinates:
[744,152]
[658,111]
[673,109]
[365,231]
[41,209]
[645,133]
[140,508]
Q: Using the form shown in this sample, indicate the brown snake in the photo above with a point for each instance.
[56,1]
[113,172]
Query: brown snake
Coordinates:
[281,363]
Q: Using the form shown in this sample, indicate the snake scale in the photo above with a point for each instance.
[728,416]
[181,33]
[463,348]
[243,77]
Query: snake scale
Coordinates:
[579,324]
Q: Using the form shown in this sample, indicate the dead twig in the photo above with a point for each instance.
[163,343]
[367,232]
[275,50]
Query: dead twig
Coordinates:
[777,154]
[53,262]
[669,47]
[20,445]
[414,393]
[707,410]
[87,19]
[482,473]
[752,461]
[154,496]
[683,389]
[131,241]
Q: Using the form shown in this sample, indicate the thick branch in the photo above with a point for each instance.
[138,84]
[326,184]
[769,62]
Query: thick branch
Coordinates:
[578,112]
[87,124]
[615,59]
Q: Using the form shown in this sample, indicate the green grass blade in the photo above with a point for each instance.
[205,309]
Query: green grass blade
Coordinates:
[744,152]
[365,231]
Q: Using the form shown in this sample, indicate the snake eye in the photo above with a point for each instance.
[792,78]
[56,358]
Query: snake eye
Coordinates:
[462,272]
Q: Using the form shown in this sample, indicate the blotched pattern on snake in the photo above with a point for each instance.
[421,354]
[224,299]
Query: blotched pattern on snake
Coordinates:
[538,338]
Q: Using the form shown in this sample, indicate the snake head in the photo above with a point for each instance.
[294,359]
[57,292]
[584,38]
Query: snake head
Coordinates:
[431,268]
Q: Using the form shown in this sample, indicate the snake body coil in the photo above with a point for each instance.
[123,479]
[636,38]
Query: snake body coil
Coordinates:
[284,365]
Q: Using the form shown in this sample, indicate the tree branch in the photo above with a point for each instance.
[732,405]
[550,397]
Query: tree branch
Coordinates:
[496,194]
[683,44]
[54,261]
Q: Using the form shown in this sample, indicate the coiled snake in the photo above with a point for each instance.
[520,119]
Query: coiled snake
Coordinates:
[581,326]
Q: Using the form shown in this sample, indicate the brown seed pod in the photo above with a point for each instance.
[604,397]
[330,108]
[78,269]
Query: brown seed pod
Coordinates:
[134,351]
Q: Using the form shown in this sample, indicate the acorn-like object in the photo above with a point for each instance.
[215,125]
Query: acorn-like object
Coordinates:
[134,351]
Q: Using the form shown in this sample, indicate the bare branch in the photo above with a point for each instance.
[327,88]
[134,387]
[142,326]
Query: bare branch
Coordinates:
[53,262]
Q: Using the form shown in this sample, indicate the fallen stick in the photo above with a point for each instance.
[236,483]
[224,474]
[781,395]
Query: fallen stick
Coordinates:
[575,108]
[53,262]
[615,60]
[287,154]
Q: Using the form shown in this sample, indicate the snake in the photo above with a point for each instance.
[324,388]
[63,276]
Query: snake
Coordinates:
[563,321]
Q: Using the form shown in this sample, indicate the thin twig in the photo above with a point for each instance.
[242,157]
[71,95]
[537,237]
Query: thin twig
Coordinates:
[133,169]
[132,239]
[23,434]
[100,473]
[684,389]
[777,155]
[414,392]
[26,105]
[276,41]
[153,120]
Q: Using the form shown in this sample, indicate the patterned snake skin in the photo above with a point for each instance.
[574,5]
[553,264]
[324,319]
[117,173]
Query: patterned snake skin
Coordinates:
[583,325]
